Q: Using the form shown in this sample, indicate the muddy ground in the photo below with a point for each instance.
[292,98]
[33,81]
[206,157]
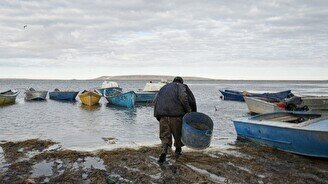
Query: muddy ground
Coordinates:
[45,161]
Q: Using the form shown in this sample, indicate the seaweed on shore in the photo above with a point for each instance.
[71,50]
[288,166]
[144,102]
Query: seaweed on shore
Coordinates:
[15,150]
[243,163]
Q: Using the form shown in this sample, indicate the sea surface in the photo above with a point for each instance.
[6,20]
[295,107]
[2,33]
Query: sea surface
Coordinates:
[78,127]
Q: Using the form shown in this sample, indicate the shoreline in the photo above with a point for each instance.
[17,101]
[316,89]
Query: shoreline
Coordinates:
[45,161]
[211,80]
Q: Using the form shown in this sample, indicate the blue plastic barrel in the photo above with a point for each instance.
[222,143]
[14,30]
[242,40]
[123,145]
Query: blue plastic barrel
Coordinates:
[197,130]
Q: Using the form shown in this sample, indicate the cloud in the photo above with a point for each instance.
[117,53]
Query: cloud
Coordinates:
[166,33]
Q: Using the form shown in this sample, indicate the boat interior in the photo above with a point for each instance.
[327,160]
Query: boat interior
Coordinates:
[287,117]
[9,92]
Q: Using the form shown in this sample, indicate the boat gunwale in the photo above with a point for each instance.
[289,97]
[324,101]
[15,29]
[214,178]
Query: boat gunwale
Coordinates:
[15,93]
[295,126]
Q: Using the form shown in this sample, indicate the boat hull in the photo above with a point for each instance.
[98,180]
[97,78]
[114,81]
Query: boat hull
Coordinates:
[299,141]
[6,99]
[36,95]
[123,100]
[63,95]
[315,103]
[232,96]
[145,97]
[109,91]
[259,106]
[90,98]
[239,96]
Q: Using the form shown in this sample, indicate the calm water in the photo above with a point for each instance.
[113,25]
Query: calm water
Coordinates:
[77,127]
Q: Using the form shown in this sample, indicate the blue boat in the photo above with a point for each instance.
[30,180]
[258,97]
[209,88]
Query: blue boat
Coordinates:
[239,96]
[122,99]
[296,132]
[145,96]
[109,88]
[63,95]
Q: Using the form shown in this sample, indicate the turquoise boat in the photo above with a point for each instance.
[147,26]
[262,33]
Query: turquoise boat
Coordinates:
[122,99]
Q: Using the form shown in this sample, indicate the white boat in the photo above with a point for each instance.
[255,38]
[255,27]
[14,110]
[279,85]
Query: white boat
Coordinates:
[154,87]
[32,94]
[108,88]
[312,103]
[260,106]
[149,92]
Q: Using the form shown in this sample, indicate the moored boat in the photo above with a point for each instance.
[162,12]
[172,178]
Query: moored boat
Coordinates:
[122,99]
[296,132]
[32,94]
[109,88]
[259,105]
[145,96]
[89,97]
[8,97]
[239,96]
[149,92]
[63,95]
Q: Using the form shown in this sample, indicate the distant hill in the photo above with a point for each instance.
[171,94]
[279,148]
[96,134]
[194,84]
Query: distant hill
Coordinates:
[149,77]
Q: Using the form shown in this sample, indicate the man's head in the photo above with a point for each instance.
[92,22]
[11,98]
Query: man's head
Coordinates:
[178,79]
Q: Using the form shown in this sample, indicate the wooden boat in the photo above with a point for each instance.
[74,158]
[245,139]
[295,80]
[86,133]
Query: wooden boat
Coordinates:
[32,94]
[259,105]
[108,88]
[239,96]
[296,132]
[8,97]
[122,99]
[90,97]
[149,92]
[63,95]
[312,103]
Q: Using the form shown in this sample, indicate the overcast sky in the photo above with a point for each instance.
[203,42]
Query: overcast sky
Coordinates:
[219,39]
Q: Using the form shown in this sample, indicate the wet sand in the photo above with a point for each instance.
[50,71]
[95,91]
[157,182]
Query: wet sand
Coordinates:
[45,161]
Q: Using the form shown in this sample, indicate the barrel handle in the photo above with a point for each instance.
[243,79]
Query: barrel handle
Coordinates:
[208,133]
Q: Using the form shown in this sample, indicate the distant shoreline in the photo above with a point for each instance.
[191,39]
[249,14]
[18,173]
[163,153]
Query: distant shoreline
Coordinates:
[161,77]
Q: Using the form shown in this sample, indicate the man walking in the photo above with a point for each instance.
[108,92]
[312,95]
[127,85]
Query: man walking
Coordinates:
[173,101]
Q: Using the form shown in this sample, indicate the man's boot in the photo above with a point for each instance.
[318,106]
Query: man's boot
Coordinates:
[178,152]
[162,157]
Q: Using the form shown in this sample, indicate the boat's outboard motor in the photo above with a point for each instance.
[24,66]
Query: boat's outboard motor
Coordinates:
[294,104]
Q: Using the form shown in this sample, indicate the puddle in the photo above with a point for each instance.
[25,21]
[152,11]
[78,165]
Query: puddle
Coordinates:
[58,168]
[43,168]
[94,162]
[88,163]
[213,177]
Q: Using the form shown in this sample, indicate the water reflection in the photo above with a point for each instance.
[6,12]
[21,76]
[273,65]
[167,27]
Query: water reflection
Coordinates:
[66,101]
[122,113]
[95,107]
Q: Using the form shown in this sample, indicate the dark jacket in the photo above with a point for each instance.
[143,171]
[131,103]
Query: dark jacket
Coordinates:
[174,100]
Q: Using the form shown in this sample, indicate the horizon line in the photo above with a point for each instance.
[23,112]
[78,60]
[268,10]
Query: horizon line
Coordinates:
[200,79]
